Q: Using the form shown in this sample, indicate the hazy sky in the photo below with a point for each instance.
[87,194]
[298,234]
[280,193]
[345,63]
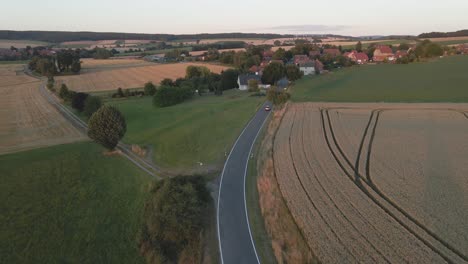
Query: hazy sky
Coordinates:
[365,17]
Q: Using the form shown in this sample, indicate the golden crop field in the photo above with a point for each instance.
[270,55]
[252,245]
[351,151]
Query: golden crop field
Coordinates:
[88,64]
[27,120]
[375,183]
[129,77]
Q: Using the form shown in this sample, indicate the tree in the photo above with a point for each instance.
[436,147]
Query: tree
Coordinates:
[279,54]
[293,73]
[167,82]
[174,219]
[64,92]
[273,72]
[171,95]
[91,105]
[107,126]
[76,66]
[359,46]
[253,85]
[277,43]
[150,88]
[404,46]
[78,101]
[101,53]
[277,97]
[196,71]
[229,79]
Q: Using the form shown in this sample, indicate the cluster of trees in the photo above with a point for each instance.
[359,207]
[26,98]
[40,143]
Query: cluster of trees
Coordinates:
[428,49]
[220,45]
[277,97]
[275,71]
[66,61]
[175,215]
[460,33]
[81,102]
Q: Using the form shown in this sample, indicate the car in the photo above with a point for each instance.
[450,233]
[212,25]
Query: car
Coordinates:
[267,108]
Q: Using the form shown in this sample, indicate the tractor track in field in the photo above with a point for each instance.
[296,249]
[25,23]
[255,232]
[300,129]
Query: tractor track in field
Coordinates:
[308,195]
[368,181]
[327,193]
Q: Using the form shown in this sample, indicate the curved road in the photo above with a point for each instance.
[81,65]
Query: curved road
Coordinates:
[235,239]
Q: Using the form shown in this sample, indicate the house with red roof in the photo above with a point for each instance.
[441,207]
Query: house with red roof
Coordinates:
[332,52]
[357,57]
[400,54]
[383,53]
[314,53]
[462,48]
[301,59]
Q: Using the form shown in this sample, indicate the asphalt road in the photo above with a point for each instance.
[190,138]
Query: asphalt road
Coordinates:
[235,240]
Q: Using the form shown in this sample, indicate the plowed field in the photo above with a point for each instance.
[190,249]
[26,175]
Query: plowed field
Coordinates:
[129,77]
[27,120]
[377,183]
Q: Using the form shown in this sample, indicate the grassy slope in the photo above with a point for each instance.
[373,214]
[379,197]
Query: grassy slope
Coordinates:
[200,130]
[441,80]
[70,204]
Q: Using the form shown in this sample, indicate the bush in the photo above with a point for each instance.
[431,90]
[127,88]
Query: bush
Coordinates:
[167,96]
[64,92]
[150,89]
[107,126]
[50,84]
[253,85]
[277,97]
[229,79]
[174,218]
[91,105]
[78,101]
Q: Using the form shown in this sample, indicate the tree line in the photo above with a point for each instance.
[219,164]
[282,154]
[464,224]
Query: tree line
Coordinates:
[62,36]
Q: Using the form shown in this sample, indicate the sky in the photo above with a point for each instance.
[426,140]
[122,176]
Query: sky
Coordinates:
[356,18]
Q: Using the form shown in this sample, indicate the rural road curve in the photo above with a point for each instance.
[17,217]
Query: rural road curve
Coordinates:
[235,240]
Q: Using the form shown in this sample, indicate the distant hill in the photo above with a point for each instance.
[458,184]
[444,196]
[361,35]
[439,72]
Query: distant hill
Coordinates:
[62,36]
[460,33]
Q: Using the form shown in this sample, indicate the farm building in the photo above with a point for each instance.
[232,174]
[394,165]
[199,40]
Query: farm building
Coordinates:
[400,54]
[318,66]
[382,53]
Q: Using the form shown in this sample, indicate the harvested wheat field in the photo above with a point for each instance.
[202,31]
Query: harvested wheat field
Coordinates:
[129,77]
[375,183]
[27,120]
[94,64]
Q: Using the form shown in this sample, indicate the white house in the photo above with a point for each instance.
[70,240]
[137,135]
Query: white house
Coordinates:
[308,68]
[243,81]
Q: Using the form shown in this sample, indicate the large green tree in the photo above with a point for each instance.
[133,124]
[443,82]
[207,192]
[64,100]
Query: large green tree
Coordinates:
[229,79]
[293,72]
[273,73]
[107,126]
